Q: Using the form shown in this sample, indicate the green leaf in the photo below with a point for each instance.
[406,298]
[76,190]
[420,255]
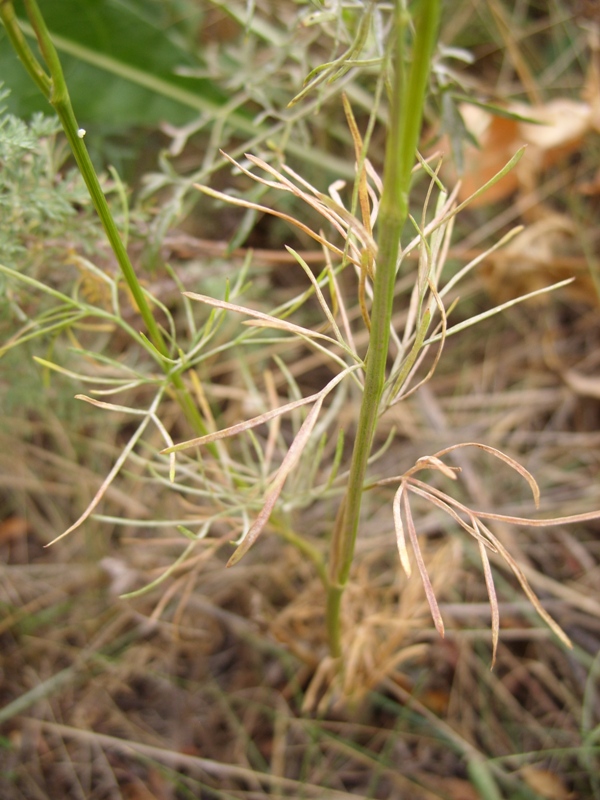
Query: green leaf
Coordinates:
[496,110]
[120,61]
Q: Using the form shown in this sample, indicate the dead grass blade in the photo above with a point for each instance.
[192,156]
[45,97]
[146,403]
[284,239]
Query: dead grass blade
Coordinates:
[178,760]
[445,503]
[319,294]
[478,529]
[429,592]
[419,350]
[226,198]
[136,412]
[240,427]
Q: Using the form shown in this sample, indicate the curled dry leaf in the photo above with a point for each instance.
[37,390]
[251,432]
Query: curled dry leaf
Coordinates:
[472,522]
[556,129]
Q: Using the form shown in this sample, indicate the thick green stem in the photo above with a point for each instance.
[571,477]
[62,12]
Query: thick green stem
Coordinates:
[54,87]
[408,95]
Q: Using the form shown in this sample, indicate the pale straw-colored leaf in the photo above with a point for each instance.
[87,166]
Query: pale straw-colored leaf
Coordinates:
[443,217]
[287,465]
[512,463]
[445,503]
[423,347]
[520,576]
[274,429]
[478,259]
[270,321]
[429,592]
[324,205]
[541,523]
[115,470]
[461,326]
[400,535]
[237,201]
[339,301]
[319,294]
[240,427]
[314,342]
[452,507]
[491,590]
[375,177]
[261,419]
[277,184]
[431,462]
[140,412]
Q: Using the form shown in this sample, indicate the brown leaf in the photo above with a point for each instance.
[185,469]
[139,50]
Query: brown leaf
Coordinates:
[545,783]
[12,529]
[558,129]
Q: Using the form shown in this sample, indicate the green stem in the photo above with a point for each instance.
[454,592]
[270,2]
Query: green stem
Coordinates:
[54,87]
[408,95]
[307,549]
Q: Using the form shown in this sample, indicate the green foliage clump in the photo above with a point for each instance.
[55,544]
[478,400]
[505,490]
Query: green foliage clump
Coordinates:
[39,203]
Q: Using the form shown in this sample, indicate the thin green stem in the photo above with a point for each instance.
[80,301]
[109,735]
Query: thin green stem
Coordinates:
[59,98]
[307,549]
[407,100]
[54,87]
[20,46]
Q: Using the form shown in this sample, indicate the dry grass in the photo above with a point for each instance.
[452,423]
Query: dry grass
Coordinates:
[214,684]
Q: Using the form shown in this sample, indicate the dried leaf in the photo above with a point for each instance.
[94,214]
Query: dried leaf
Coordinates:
[531,595]
[400,536]
[491,589]
[535,490]
[270,321]
[431,462]
[12,529]
[429,592]
[559,127]
[287,465]
[151,414]
[545,783]
[261,419]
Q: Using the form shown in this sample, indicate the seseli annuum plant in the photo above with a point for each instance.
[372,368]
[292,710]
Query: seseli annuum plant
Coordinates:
[370,243]
[369,246]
